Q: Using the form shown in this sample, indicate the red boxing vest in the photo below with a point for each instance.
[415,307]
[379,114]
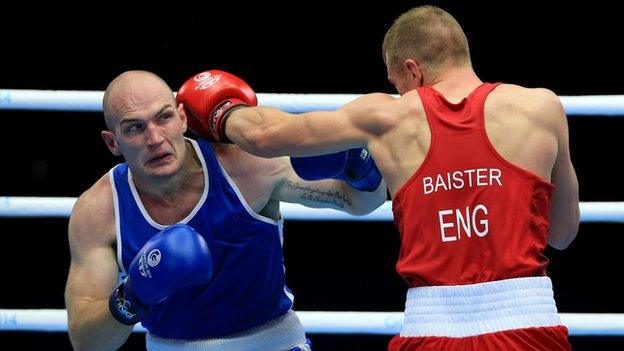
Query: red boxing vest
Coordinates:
[467,215]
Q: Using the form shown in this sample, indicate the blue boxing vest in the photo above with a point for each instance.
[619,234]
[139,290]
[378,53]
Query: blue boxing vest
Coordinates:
[248,286]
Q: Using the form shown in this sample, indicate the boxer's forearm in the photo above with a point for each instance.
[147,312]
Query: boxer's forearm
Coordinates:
[92,327]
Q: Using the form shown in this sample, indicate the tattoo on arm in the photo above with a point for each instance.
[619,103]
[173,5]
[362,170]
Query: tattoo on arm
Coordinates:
[322,196]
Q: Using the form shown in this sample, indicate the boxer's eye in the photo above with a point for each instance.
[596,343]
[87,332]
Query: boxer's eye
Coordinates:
[133,128]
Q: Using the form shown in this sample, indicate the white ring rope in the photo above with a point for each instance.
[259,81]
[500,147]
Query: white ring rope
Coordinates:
[382,323]
[16,206]
[74,100]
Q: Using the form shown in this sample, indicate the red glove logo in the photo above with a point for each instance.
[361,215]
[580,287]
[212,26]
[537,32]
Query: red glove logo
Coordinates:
[205,80]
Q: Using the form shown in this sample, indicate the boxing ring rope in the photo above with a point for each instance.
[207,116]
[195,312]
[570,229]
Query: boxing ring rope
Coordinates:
[382,323]
[320,322]
[16,206]
[91,101]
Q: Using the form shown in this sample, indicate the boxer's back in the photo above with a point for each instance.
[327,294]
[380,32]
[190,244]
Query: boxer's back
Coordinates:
[466,206]
[520,123]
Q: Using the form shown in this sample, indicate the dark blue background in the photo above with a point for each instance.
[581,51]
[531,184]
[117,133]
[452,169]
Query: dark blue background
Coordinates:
[295,48]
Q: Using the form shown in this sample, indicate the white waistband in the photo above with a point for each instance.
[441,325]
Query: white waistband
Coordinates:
[281,333]
[475,309]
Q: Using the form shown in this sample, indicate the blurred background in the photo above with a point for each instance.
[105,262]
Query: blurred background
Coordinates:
[295,48]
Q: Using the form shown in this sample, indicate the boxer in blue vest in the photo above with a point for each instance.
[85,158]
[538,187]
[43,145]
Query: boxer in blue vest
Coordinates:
[185,236]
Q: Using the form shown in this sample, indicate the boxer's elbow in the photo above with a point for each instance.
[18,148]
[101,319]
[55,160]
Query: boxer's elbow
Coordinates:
[364,203]
[564,223]
[562,236]
[561,243]
[361,210]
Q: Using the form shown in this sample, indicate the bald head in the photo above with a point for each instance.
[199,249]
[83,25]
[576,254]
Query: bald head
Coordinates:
[130,90]
[428,35]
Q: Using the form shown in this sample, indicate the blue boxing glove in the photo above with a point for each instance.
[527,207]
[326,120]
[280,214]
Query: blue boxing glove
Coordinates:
[356,167]
[175,257]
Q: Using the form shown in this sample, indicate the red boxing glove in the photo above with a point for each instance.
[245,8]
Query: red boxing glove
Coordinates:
[208,97]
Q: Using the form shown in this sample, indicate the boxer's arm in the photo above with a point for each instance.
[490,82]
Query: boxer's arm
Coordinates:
[565,213]
[328,193]
[93,273]
[269,132]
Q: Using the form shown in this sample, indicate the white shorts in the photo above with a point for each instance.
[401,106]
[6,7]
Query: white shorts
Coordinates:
[279,334]
[476,309]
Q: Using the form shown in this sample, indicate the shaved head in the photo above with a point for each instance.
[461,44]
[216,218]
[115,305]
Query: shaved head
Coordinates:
[131,89]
